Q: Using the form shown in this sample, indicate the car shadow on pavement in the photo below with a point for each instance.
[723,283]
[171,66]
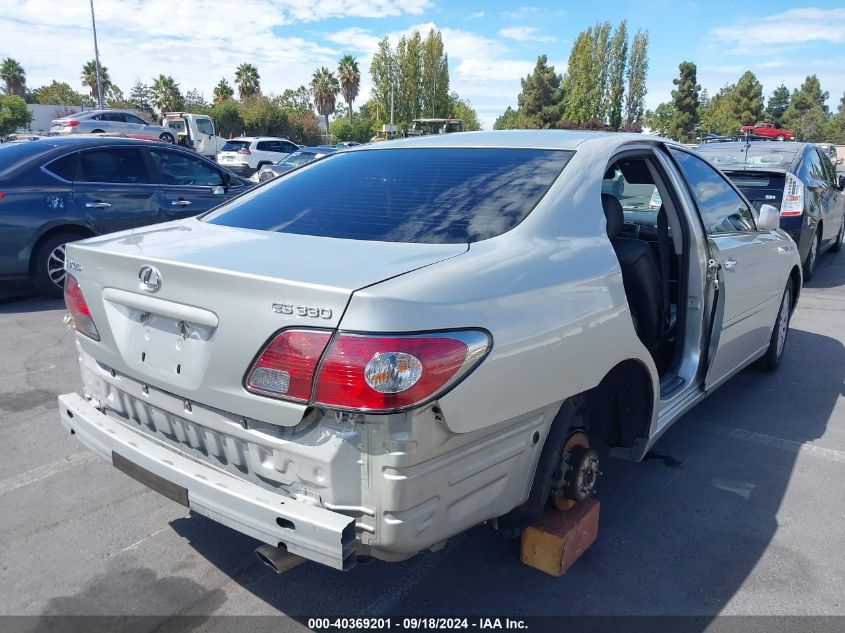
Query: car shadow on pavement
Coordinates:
[680,534]
[21,297]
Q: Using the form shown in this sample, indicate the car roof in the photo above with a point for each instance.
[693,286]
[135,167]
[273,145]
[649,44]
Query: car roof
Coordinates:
[257,138]
[318,149]
[539,139]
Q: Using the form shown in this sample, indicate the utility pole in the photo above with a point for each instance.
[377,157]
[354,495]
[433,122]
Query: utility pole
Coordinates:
[97,59]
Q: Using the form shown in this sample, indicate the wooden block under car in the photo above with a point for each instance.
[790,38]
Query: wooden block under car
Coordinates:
[556,541]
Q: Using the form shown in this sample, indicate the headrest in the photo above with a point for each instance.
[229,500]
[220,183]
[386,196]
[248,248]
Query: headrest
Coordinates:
[614,215]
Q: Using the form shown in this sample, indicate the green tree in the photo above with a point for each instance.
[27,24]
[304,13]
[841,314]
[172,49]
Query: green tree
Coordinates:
[685,99]
[637,73]
[462,109]
[718,115]
[581,82]
[659,120]
[616,74]
[350,81]
[14,114]
[165,94]
[222,92]
[510,120]
[89,79]
[248,81]
[195,102]
[409,63]
[342,130]
[262,117]
[58,93]
[777,105]
[114,98]
[298,100]
[140,98]
[747,99]
[435,76]
[384,73]
[539,101]
[806,114]
[324,89]
[14,76]
[227,116]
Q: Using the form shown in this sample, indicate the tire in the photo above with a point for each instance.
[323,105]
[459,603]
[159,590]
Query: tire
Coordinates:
[779,137]
[812,257]
[166,138]
[777,343]
[837,245]
[47,268]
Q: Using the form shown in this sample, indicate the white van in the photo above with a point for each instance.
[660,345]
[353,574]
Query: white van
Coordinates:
[195,131]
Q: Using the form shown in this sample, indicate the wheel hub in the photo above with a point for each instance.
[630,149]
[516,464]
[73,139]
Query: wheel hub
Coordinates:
[577,474]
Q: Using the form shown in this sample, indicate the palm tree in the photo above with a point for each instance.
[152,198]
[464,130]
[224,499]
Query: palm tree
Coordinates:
[350,80]
[324,88]
[222,92]
[89,79]
[14,75]
[248,80]
[165,94]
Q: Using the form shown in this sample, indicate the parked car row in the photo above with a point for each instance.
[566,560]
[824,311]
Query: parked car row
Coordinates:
[397,342]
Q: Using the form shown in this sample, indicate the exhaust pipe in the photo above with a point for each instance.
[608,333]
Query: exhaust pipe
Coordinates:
[277,558]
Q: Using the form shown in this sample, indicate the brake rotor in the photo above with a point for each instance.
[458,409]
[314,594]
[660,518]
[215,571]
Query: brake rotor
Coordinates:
[577,474]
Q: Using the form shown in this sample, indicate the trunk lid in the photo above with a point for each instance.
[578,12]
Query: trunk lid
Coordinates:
[760,187]
[222,293]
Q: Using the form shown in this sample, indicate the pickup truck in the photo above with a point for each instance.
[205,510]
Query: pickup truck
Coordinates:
[767,130]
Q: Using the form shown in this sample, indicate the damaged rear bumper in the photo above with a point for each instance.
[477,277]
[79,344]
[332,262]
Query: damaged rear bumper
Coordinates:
[312,532]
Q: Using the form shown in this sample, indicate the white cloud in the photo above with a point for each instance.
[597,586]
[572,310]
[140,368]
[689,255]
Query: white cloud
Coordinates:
[770,34]
[525,34]
[475,16]
[520,13]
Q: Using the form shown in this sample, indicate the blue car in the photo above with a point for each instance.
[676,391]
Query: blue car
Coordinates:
[796,178]
[61,189]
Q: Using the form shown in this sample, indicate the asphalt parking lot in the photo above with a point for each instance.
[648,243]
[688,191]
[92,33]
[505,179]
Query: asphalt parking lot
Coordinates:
[738,510]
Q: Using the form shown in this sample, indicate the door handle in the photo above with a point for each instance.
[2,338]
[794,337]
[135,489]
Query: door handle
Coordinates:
[181,203]
[98,205]
[729,264]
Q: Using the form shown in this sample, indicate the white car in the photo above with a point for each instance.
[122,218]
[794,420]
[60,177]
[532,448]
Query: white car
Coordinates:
[110,121]
[247,154]
[398,342]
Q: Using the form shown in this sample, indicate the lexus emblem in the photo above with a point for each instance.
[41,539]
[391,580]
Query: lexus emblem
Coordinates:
[150,278]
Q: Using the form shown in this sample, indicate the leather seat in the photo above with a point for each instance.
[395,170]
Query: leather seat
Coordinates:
[640,276]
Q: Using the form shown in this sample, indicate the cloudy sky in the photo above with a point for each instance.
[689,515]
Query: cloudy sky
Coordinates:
[490,44]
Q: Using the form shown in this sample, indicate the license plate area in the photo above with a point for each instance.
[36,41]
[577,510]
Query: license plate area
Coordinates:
[150,480]
[163,347]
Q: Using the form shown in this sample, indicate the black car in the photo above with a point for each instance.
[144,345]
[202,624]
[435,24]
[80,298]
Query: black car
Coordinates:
[797,178]
[60,189]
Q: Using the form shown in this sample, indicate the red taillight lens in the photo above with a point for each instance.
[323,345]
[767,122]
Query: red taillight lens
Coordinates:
[384,373]
[71,123]
[286,366]
[78,309]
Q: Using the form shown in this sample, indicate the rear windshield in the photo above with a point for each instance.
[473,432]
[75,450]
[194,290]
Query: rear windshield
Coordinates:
[234,146]
[760,154]
[424,195]
[297,158]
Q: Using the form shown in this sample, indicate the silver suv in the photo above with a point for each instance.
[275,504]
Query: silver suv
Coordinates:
[115,121]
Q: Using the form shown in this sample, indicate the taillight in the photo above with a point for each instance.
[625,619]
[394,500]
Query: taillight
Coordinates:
[382,373]
[286,366]
[71,123]
[245,151]
[793,197]
[78,309]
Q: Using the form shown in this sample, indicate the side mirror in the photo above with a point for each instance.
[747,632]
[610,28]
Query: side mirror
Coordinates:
[768,218]
[841,183]
[219,190]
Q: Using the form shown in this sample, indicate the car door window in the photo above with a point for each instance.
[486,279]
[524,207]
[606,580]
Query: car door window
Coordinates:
[204,126]
[721,208]
[119,165]
[827,168]
[64,167]
[287,147]
[177,168]
[131,118]
[811,167]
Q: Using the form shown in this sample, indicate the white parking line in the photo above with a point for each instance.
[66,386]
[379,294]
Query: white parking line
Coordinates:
[829,454]
[42,472]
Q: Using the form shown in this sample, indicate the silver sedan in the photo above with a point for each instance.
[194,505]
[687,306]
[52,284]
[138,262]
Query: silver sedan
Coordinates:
[113,121]
[386,347]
